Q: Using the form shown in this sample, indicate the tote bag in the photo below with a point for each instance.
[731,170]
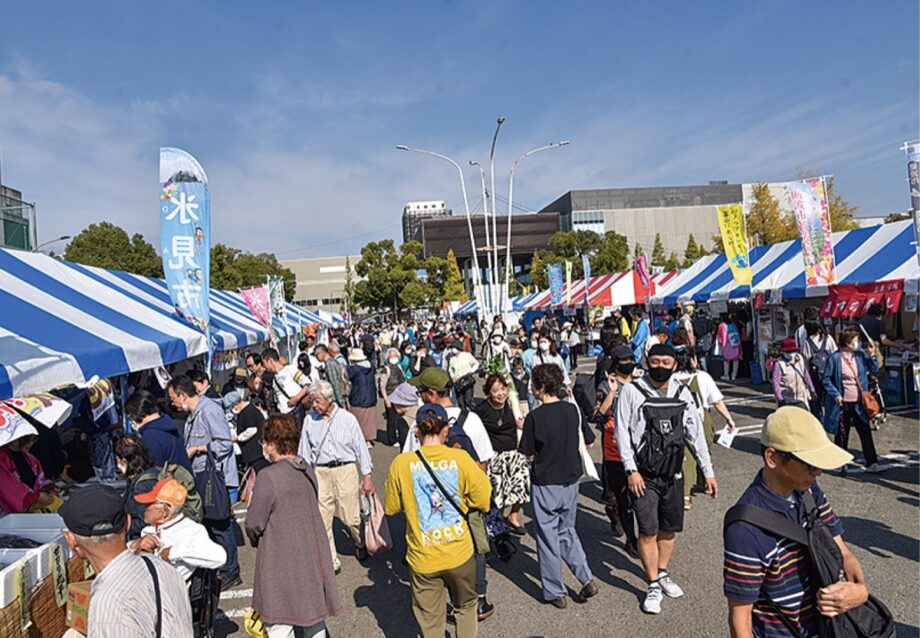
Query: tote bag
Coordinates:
[374,524]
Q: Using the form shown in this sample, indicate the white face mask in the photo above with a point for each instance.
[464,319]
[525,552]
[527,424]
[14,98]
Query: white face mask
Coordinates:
[122,469]
[393,361]
[534,344]
[855,345]
[544,346]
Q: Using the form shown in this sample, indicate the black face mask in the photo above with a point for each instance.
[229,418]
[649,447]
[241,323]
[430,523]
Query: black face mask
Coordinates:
[626,367]
[660,374]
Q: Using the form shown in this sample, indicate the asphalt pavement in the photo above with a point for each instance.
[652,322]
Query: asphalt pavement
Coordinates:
[879,512]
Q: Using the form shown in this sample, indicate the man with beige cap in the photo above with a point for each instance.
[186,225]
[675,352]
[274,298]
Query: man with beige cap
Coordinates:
[766,577]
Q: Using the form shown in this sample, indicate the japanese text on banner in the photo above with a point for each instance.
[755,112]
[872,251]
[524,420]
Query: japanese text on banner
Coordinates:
[555,284]
[568,283]
[185,235]
[809,202]
[734,239]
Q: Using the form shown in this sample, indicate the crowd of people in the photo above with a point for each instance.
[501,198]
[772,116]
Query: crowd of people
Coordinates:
[292,436]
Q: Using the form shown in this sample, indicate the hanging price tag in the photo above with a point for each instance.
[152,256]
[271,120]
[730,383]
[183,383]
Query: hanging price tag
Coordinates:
[22,592]
[59,574]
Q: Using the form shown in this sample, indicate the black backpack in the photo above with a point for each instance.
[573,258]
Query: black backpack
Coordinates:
[872,619]
[661,450]
[458,438]
[585,394]
[820,357]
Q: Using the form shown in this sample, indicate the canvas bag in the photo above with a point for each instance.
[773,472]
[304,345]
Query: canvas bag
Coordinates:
[374,526]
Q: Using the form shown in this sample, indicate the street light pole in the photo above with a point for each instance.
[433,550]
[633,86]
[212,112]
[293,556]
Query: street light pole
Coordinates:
[50,241]
[514,164]
[495,291]
[477,284]
[485,220]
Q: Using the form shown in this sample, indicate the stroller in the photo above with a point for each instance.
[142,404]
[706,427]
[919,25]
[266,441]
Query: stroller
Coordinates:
[875,388]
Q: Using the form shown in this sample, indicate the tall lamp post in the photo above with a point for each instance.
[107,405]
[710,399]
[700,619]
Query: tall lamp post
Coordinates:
[514,164]
[50,241]
[477,285]
[485,221]
[495,292]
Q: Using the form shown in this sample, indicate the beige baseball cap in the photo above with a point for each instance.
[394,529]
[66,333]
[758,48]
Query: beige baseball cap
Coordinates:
[797,431]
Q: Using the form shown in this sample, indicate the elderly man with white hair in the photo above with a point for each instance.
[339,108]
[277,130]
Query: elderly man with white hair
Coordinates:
[332,442]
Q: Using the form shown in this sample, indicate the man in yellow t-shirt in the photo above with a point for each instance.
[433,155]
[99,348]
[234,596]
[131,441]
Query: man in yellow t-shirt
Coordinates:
[439,545]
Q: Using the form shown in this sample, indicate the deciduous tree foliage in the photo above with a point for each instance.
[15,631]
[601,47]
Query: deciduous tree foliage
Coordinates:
[390,276]
[453,282]
[607,253]
[106,245]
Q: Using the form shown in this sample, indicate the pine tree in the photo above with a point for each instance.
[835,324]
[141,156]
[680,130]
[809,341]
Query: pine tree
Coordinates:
[454,289]
[692,252]
[658,258]
[672,262]
[349,288]
[637,251]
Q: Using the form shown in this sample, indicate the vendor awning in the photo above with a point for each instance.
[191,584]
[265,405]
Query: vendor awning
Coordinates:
[63,323]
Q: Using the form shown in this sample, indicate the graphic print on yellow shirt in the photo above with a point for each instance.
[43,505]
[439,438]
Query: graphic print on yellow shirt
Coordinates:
[439,521]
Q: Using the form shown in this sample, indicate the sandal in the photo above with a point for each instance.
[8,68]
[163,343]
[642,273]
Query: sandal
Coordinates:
[687,503]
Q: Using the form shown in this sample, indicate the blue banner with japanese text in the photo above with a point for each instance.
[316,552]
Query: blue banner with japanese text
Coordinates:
[556,284]
[185,235]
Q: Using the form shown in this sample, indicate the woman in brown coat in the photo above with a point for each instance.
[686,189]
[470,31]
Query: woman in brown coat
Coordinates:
[294,583]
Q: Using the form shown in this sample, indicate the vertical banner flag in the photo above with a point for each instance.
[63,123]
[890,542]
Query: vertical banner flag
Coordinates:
[256,299]
[809,201]
[185,235]
[277,303]
[568,283]
[913,177]
[586,267]
[734,239]
[555,284]
[642,271]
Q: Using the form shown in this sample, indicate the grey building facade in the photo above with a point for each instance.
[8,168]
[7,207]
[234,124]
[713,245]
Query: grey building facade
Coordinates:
[673,212]
[15,220]
[321,281]
[414,213]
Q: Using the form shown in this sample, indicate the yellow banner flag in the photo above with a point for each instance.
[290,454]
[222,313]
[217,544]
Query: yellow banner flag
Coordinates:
[734,239]
[568,283]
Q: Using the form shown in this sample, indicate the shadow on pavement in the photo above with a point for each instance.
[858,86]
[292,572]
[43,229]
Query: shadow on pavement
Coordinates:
[388,596]
[879,539]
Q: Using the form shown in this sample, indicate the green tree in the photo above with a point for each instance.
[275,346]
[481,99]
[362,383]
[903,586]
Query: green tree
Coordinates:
[766,223]
[637,251]
[106,245]
[612,254]
[692,252]
[658,257]
[232,269]
[349,287]
[672,262]
[538,277]
[842,213]
[386,274]
[898,217]
[454,290]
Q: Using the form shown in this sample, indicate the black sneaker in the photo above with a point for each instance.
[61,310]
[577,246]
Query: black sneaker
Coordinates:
[229,582]
[484,609]
[632,549]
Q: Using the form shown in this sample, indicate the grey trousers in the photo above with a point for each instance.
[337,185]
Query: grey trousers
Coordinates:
[554,508]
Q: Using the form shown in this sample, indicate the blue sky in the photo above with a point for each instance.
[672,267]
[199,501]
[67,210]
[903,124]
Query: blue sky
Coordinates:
[294,109]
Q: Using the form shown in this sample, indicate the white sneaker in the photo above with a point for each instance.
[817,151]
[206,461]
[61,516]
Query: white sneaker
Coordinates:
[668,586]
[875,468]
[652,602]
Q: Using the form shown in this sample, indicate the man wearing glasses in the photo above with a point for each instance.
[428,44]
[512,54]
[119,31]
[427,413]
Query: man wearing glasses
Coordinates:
[766,577]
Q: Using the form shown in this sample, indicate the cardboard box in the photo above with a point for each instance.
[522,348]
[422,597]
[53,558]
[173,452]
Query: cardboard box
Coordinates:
[78,605]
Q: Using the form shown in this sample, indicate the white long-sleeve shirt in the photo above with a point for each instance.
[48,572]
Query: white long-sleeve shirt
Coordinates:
[189,543]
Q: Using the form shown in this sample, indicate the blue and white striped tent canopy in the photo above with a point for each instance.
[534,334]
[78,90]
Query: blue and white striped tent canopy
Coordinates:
[63,323]
[863,255]
[518,304]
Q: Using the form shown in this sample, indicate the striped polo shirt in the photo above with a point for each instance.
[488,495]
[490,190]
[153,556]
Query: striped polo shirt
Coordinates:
[770,571]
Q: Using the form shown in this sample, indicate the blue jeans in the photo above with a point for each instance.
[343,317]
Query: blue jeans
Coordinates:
[223,535]
[554,508]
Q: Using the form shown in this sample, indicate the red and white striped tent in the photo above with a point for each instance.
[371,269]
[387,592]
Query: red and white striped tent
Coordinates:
[618,289]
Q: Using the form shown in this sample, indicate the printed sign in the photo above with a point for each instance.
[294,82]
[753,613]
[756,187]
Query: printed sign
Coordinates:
[734,240]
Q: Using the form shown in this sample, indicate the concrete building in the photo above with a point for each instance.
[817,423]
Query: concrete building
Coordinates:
[529,232]
[674,212]
[414,213]
[15,220]
[321,281]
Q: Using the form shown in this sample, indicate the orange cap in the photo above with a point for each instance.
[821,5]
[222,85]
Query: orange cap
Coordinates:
[166,490]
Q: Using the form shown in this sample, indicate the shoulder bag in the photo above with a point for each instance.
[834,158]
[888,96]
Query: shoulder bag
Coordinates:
[212,489]
[156,593]
[869,403]
[475,519]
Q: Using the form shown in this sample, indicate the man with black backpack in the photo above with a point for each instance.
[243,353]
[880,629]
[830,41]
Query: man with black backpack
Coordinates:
[787,570]
[655,418]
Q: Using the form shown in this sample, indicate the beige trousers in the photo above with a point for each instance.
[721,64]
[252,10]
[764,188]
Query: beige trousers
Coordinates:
[338,497]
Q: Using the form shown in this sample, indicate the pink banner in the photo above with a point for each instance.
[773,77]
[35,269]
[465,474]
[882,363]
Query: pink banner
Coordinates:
[642,271]
[257,300]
